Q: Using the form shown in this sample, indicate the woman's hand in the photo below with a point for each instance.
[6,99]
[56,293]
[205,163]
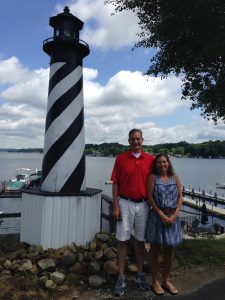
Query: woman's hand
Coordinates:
[166,220]
[173,218]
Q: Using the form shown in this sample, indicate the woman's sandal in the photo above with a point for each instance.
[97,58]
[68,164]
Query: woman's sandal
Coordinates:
[170,288]
[157,289]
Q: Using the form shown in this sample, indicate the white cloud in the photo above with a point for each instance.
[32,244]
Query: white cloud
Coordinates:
[126,101]
[102,29]
[11,70]
[31,89]
[134,93]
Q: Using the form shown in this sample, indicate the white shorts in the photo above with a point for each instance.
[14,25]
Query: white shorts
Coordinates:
[134,217]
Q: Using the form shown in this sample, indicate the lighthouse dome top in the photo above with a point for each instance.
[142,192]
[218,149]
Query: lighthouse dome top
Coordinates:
[66,23]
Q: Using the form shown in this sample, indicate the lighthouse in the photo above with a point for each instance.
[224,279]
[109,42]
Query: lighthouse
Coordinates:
[64,161]
[63,210]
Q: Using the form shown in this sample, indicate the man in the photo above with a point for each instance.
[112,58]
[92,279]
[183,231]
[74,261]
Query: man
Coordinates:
[130,208]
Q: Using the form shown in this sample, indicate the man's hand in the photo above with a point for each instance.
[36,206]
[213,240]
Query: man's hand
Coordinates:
[116,213]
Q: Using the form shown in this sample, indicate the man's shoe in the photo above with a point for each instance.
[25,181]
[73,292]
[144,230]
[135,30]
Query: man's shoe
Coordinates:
[120,286]
[141,281]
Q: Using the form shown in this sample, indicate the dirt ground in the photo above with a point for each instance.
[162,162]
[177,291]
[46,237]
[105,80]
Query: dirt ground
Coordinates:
[187,283]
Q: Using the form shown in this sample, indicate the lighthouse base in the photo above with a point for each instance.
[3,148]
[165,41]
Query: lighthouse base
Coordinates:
[53,221]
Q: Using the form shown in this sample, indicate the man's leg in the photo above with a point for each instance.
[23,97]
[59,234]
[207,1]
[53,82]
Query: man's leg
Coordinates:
[139,252]
[141,216]
[121,253]
[123,230]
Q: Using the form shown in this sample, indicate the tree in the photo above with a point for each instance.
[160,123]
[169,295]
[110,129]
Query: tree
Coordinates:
[189,37]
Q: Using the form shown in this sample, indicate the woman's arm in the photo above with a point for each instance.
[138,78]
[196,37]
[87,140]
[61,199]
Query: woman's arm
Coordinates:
[179,200]
[152,202]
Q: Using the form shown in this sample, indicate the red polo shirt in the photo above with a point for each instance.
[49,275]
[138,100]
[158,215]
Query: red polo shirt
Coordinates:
[131,173]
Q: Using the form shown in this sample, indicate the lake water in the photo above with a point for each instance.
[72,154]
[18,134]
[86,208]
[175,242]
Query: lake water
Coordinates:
[193,173]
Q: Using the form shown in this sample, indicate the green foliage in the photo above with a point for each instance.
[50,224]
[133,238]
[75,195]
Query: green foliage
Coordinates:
[207,252]
[189,38]
[210,149]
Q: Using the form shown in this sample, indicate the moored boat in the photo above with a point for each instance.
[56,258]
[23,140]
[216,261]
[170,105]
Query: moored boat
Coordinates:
[220,185]
[17,183]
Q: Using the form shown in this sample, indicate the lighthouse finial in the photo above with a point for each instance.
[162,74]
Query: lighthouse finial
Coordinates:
[66,9]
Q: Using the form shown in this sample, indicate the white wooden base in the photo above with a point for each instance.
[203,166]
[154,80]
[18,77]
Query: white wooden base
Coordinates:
[56,221]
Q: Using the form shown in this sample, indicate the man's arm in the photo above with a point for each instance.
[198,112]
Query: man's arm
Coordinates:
[116,207]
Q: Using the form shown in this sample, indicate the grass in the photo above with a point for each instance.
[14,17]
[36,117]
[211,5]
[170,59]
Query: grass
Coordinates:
[205,252]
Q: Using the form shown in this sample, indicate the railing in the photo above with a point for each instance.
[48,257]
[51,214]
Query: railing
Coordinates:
[65,38]
[107,221]
[189,223]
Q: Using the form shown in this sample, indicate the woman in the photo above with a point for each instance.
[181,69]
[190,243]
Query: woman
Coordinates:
[163,228]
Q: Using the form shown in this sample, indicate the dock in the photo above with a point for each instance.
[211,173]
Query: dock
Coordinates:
[202,195]
[211,209]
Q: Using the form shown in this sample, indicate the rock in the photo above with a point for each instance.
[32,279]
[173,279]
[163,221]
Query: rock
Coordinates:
[88,256]
[78,268]
[109,253]
[73,248]
[49,284]
[6,272]
[46,264]
[96,281]
[2,260]
[27,265]
[7,264]
[35,250]
[93,245]
[73,279]
[18,253]
[104,246]
[94,266]
[61,251]
[110,267]
[99,254]
[42,280]
[68,260]
[80,257]
[104,237]
[57,277]
[132,268]
[112,242]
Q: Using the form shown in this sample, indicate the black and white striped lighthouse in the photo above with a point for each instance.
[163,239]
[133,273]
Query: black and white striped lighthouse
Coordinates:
[63,159]
[63,210]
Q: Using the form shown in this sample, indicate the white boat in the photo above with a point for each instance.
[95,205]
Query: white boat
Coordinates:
[1,212]
[22,174]
[220,185]
[17,183]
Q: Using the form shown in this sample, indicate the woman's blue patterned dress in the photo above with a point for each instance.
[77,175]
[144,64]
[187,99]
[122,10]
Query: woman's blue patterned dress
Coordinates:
[166,196]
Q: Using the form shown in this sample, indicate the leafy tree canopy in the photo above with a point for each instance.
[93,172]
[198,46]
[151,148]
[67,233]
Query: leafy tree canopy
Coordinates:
[189,37]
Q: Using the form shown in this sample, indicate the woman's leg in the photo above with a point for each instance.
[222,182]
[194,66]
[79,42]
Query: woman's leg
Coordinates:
[168,261]
[153,255]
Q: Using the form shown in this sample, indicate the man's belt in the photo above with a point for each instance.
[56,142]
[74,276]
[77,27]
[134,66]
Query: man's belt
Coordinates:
[133,199]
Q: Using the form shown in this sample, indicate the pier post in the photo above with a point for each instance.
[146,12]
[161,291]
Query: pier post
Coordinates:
[64,209]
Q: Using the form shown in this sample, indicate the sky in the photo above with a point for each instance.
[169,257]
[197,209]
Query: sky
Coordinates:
[117,94]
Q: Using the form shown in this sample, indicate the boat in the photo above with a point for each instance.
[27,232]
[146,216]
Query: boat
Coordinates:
[35,179]
[17,183]
[220,185]
[22,180]
[1,220]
